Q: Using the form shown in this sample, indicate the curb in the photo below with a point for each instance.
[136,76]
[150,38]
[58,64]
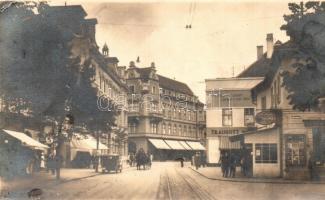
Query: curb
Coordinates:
[256,181]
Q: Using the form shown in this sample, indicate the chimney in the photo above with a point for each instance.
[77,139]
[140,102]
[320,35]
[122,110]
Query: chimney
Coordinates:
[132,64]
[152,65]
[269,45]
[259,51]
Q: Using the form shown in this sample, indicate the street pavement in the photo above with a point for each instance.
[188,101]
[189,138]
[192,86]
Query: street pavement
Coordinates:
[214,173]
[165,180]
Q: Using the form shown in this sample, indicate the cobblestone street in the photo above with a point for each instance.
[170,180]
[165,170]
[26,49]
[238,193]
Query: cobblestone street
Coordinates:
[165,180]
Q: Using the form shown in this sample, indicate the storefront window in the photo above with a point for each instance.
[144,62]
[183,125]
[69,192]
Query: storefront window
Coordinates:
[295,150]
[266,153]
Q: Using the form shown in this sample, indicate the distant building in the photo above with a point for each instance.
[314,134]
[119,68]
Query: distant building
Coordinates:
[230,111]
[165,118]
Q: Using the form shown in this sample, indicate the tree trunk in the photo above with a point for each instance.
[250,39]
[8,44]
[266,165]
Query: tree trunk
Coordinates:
[97,148]
[58,156]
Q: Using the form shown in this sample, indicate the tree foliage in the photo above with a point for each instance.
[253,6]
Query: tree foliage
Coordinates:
[45,65]
[306,28]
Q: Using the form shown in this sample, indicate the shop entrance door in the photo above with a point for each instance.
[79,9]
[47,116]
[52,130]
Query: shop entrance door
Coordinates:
[248,153]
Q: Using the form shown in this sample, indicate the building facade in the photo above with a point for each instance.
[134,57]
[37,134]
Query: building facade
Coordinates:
[286,139]
[165,117]
[112,88]
[230,111]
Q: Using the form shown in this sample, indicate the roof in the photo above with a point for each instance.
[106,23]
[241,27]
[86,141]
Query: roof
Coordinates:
[111,59]
[144,72]
[102,62]
[25,139]
[267,68]
[171,84]
[259,68]
[164,82]
[72,10]
[233,83]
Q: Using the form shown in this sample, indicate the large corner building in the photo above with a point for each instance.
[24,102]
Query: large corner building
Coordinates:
[165,117]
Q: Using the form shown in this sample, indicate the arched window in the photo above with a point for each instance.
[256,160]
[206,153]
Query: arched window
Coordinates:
[175,129]
[169,129]
[164,128]
[180,130]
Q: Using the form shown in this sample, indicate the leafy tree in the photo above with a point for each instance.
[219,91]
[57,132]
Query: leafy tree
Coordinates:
[306,28]
[45,67]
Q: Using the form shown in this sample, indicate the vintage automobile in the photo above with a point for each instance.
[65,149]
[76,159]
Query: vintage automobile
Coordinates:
[111,163]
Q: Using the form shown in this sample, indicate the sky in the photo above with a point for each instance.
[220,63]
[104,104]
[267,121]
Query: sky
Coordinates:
[221,43]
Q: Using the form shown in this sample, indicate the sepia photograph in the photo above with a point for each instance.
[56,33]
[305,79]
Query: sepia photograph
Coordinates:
[162,100]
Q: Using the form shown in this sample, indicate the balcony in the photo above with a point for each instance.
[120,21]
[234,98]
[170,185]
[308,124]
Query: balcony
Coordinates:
[156,116]
[145,88]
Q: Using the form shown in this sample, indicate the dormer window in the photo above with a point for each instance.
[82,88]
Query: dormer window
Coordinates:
[131,75]
[153,90]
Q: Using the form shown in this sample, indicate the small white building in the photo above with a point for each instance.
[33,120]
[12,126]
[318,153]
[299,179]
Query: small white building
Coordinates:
[230,111]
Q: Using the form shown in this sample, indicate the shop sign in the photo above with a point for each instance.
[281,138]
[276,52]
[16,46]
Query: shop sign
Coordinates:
[265,118]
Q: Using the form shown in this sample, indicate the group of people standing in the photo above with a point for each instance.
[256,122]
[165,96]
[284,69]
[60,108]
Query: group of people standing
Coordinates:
[230,160]
[228,163]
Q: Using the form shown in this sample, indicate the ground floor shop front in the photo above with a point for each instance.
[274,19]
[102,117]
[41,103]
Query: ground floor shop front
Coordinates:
[166,149]
[294,149]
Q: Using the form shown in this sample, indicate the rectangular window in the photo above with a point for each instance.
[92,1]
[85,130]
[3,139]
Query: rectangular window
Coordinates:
[227,117]
[132,89]
[263,103]
[266,153]
[164,128]
[169,129]
[249,114]
[132,128]
[295,150]
[279,89]
[153,128]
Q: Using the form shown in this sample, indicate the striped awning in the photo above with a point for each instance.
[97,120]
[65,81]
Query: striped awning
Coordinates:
[25,140]
[183,143]
[159,144]
[225,143]
[175,145]
[195,145]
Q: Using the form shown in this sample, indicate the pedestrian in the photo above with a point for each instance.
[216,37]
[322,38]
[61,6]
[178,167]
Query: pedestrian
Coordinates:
[203,160]
[311,167]
[181,159]
[197,161]
[224,164]
[232,166]
[243,165]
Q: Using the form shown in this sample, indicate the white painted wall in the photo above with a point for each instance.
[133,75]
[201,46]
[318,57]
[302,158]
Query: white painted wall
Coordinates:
[265,169]
[213,153]
[214,118]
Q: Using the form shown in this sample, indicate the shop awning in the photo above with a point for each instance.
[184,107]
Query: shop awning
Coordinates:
[195,145]
[175,145]
[225,143]
[233,83]
[159,144]
[86,143]
[26,140]
[183,143]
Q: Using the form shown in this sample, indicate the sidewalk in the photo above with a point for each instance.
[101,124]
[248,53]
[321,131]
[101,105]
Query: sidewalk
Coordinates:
[43,179]
[214,173]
